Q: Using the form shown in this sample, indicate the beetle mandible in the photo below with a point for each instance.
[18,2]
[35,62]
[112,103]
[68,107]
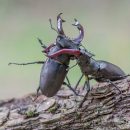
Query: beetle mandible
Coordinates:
[54,71]
[101,71]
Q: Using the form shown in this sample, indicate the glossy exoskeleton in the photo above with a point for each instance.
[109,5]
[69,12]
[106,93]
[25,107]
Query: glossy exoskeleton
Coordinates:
[101,71]
[55,70]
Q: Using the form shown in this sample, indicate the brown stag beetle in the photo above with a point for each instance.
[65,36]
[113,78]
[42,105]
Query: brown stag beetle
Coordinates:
[101,71]
[55,70]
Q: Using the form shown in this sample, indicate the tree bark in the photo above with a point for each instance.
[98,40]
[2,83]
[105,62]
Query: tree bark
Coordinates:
[104,109]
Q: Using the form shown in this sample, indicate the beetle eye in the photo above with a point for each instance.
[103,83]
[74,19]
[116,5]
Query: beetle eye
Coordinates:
[58,39]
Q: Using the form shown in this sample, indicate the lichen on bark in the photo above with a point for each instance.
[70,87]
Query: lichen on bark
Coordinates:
[104,109]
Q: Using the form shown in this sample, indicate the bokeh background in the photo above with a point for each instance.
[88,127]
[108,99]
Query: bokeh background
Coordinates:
[107,35]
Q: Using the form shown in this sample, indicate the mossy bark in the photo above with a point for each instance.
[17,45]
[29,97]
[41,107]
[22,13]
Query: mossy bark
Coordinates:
[104,109]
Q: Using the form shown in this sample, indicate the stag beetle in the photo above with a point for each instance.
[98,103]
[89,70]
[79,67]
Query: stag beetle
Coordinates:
[101,71]
[54,71]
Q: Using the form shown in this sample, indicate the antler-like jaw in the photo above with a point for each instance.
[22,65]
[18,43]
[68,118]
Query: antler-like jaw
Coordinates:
[76,40]
[80,37]
[74,52]
[64,41]
[59,24]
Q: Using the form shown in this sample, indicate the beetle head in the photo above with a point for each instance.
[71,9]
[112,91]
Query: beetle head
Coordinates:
[63,40]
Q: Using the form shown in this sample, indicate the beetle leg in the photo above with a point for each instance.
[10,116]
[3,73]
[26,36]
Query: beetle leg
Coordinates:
[88,78]
[109,81]
[38,89]
[35,62]
[64,83]
[88,89]
[65,51]
[71,67]
[69,86]
[78,81]
[68,80]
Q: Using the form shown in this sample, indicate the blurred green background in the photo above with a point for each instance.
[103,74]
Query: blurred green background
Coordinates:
[107,34]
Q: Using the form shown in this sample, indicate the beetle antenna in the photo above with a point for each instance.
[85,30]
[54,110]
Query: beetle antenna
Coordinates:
[52,26]
[42,44]
[35,62]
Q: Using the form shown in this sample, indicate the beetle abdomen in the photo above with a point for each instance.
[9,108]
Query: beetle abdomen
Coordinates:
[52,77]
[110,71]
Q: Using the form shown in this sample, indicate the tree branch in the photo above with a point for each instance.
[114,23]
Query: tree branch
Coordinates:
[104,109]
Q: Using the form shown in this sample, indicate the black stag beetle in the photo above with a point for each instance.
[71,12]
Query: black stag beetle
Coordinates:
[54,71]
[101,71]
